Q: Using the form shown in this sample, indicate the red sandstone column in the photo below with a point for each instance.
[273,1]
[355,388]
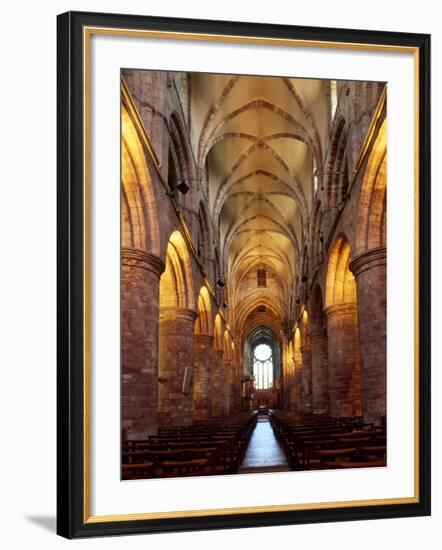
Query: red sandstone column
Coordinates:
[234,385]
[318,340]
[292,388]
[343,360]
[306,377]
[176,354]
[140,275]
[369,269]
[286,381]
[201,384]
[286,388]
[227,377]
[216,383]
[297,393]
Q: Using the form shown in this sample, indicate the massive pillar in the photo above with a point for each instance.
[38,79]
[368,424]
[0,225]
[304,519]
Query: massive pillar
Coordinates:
[318,340]
[202,374]
[293,380]
[306,377]
[175,401]
[369,269]
[217,380]
[235,385]
[288,373]
[140,275]
[226,387]
[343,360]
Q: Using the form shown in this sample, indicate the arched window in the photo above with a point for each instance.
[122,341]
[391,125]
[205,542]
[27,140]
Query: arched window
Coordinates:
[263,367]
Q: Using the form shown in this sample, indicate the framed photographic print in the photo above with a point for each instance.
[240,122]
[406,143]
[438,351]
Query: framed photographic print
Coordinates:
[243,316]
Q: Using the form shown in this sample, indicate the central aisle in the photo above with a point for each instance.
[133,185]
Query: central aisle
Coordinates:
[263,453]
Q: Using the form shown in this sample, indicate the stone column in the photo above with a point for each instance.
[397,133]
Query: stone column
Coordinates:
[369,269]
[175,407]
[227,379]
[297,394]
[343,360]
[286,387]
[140,277]
[306,377]
[318,340]
[233,387]
[216,383]
[201,384]
[287,368]
[291,388]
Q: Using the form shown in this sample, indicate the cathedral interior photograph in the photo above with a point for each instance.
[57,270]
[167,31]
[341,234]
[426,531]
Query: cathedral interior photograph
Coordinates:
[253,274]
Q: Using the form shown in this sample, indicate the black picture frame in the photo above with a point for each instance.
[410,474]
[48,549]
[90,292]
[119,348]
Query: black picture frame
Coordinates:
[71,520]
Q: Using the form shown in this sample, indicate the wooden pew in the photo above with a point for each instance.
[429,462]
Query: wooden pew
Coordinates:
[215,448]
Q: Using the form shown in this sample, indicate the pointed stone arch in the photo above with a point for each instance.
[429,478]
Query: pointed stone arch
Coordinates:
[203,323]
[140,229]
[372,215]
[176,335]
[340,286]
[176,285]
[202,354]
[343,333]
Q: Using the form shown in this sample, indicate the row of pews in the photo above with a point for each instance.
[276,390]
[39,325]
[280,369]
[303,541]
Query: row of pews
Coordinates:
[320,442]
[196,450]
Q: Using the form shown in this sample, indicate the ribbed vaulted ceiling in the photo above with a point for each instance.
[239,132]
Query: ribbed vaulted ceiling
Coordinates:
[257,140]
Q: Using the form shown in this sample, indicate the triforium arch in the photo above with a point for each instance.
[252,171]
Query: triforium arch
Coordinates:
[342,332]
[204,237]
[180,169]
[316,237]
[176,335]
[337,177]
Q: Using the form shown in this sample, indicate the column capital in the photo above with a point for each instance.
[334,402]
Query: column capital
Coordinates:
[204,338]
[341,309]
[368,260]
[134,257]
[178,313]
[317,333]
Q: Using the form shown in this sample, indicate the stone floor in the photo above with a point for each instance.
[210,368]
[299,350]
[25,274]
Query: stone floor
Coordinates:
[263,453]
